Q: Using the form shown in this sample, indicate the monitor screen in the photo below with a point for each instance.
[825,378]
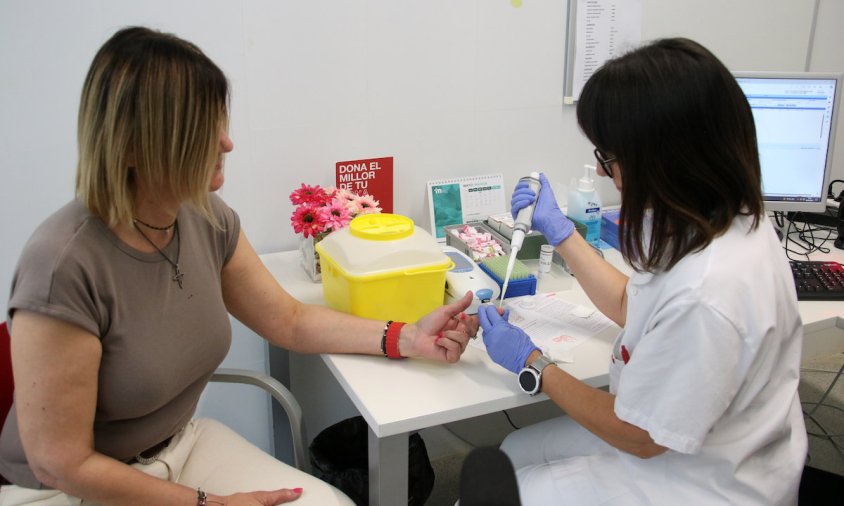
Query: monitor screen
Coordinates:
[795,115]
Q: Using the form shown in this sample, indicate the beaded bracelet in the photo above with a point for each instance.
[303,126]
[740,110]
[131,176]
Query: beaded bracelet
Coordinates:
[384,338]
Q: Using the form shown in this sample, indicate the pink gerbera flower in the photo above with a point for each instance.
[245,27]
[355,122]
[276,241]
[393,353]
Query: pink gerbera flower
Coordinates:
[348,199]
[330,195]
[342,193]
[308,195]
[368,205]
[336,215]
[322,210]
[308,219]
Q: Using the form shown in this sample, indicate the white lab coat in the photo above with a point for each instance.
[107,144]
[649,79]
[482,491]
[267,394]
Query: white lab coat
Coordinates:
[708,363]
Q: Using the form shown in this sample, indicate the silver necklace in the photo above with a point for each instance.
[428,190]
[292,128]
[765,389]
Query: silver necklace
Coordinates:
[177,274]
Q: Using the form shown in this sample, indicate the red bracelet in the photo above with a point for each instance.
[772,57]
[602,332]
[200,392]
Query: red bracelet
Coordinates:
[392,344]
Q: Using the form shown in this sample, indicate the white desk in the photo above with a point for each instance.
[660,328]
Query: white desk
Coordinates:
[823,321]
[399,397]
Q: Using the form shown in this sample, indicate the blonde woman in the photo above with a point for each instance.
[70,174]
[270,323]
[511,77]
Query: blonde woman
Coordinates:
[120,305]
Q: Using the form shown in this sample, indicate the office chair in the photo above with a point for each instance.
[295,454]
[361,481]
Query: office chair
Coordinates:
[222,375]
[7,384]
[487,478]
[285,399]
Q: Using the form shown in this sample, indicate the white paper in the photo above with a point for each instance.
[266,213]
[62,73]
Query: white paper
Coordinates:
[554,324]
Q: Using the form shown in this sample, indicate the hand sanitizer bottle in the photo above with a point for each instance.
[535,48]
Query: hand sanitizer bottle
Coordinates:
[584,205]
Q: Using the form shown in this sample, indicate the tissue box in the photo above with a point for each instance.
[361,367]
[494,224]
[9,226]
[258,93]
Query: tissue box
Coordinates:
[384,268]
[609,227]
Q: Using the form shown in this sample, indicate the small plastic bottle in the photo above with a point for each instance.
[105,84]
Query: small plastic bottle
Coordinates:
[584,205]
[546,256]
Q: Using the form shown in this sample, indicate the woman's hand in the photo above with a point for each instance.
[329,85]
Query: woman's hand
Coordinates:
[547,216]
[268,498]
[441,334]
[507,345]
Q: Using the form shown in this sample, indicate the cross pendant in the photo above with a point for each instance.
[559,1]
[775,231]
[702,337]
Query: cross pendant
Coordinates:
[178,275]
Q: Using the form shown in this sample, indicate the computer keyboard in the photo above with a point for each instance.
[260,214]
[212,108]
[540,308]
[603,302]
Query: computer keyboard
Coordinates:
[818,280]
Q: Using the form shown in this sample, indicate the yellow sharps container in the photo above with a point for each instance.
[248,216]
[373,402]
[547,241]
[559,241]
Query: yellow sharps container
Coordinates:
[383,267]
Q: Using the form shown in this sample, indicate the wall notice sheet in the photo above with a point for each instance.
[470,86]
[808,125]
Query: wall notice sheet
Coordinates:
[604,29]
[453,201]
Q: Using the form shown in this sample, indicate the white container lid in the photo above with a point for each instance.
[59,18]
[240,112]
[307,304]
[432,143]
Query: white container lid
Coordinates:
[381,242]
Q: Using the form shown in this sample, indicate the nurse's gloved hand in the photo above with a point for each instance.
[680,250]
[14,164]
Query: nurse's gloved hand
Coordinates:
[507,345]
[547,216]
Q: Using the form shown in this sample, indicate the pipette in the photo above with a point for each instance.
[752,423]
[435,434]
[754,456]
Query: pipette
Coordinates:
[521,227]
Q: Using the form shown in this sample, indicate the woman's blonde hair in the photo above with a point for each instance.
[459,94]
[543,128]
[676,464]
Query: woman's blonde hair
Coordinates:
[152,111]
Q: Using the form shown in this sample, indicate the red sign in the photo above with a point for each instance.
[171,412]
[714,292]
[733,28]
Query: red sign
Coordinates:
[373,176]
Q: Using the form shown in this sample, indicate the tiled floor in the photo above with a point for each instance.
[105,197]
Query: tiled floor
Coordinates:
[824,423]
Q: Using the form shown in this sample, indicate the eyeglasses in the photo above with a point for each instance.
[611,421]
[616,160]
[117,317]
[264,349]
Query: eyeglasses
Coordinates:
[604,160]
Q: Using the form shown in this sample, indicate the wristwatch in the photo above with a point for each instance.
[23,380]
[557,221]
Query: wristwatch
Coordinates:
[530,378]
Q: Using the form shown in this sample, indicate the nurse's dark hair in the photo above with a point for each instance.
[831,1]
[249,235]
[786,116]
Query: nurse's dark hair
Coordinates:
[682,132]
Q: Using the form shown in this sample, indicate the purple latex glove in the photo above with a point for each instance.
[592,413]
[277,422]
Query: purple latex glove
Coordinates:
[507,345]
[547,216]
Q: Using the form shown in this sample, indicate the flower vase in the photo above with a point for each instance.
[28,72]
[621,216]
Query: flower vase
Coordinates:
[309,258]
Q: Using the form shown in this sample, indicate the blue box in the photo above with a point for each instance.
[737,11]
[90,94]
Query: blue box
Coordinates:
[517,287]
[609,227]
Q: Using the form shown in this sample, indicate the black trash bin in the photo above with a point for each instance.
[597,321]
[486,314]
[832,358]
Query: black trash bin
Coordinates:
[339,456]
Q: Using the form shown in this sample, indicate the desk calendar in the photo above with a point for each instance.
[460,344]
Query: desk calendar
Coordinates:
[457,200]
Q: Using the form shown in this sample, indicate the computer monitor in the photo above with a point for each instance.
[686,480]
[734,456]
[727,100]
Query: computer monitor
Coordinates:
[795,115]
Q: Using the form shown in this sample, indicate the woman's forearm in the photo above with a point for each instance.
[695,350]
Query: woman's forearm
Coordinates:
[103,480]
[594,409]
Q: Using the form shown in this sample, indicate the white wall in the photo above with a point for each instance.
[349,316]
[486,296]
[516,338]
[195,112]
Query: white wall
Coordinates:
[447,87]
[827,56]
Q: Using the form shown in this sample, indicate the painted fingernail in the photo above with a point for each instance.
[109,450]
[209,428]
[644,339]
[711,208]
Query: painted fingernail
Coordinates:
[298,490]
[462,316]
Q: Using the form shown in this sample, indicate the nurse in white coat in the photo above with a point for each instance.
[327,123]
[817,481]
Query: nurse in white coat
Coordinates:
[702,406]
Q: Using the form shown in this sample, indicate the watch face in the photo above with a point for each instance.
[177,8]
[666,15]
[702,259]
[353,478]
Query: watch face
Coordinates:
[528,380]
